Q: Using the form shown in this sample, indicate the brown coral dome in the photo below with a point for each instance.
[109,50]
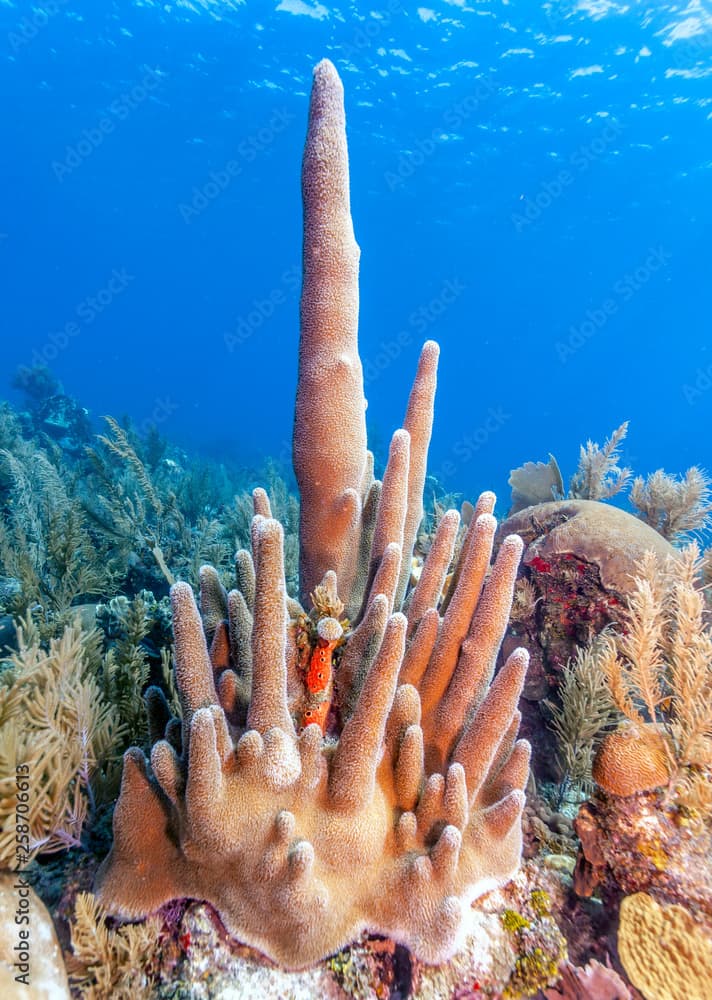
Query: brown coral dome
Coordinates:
[600,534]
[632,759]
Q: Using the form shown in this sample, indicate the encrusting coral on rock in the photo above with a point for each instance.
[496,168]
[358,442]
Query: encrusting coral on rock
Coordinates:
[405,803]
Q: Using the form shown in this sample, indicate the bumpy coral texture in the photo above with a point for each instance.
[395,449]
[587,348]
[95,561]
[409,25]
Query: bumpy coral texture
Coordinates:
[408,804]
[665,954]
[632,759]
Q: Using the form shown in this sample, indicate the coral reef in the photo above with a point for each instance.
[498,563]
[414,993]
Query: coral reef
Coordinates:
[659,670]
[593,982]
[57,738]
[45,542]
[107,961]
[578,565]
[674,507]
[576,578]
[644,843]
[599,477]
[197,959]
[663,950]
[579,559]
[408,807]
[121,515]
[324,791]
[584,713]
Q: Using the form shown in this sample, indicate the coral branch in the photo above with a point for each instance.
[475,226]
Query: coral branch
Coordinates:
[329,421]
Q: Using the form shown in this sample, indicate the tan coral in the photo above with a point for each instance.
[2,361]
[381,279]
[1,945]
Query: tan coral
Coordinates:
[634,758]
[333,467]
[302,843]
[665,954]
[606,536]
[330,402]
[410,807]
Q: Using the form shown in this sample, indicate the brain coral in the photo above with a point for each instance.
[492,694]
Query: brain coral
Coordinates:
[404,803]
[665,954]
[634,758]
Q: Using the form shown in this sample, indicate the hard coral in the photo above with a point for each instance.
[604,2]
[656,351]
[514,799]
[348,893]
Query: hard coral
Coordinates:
[644,843]
[665,954]
[580,557]
[635,758]
[576,573]
[411,805]
[659,671]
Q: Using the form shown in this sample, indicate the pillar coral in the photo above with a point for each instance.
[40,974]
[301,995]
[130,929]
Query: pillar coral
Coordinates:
[408,806]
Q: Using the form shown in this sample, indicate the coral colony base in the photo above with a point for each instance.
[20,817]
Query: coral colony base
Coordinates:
[349,763]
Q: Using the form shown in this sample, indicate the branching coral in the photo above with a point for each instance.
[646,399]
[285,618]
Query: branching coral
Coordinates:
[109,962]
[671,506]
[44,539]
[166,515]
[56,731]
[660,674]
[599,476]
[585,712]
[125,669]
[407,805]
[129,507]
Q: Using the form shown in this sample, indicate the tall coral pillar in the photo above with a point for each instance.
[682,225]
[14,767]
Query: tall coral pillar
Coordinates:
[330,455]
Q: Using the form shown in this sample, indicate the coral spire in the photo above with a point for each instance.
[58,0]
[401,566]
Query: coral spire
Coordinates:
[330,459]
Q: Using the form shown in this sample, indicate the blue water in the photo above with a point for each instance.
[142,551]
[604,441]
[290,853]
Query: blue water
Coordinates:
[530,187]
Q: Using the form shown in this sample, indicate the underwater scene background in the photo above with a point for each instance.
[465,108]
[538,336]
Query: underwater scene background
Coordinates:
[316,681]
[521,166]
